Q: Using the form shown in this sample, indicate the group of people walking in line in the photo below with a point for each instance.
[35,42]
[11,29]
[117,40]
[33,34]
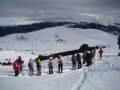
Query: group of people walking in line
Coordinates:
[76,59]
[18,65]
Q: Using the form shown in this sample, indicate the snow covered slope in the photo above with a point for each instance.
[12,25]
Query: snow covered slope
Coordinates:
[104,74]
[57,38]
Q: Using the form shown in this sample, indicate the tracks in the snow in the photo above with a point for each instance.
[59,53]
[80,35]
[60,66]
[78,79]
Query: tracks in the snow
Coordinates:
[85,71]
[81,80]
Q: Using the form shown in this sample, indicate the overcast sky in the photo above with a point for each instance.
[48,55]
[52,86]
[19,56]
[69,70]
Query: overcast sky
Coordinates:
[58,8]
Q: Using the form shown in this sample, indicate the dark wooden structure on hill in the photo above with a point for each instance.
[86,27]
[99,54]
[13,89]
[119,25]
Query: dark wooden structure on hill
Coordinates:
[83,49]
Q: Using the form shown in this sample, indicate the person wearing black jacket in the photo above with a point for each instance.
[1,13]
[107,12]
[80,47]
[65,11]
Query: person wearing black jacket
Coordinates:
[60,65]
[88,58]
[78,60]
[21,63]
[50,65]
[73,59]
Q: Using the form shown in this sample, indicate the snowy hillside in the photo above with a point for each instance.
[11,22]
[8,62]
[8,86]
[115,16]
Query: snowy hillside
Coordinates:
[102,75]
[31,28]
[57,39]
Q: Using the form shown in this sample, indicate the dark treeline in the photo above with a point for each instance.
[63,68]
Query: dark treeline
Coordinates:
[114,29]
[6,30]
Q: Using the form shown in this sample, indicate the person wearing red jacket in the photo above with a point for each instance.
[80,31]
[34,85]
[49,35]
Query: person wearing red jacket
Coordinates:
[101,52]
[16,67]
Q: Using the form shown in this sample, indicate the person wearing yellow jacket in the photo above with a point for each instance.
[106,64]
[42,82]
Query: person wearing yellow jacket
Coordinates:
[39,64]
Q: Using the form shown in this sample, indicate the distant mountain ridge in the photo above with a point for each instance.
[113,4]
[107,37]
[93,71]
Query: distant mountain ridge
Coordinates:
[6,30]
[113,29]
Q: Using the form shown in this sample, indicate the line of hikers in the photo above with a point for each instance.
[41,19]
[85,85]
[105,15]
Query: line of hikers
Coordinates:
[76,60]
[87,58]
[18,65]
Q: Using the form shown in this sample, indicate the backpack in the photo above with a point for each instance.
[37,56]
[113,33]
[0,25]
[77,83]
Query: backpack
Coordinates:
[16,66]
[50,64]
[30,65]
[38,61]
[60,61]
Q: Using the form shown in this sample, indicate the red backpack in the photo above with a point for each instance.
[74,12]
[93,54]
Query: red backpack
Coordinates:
[16,66]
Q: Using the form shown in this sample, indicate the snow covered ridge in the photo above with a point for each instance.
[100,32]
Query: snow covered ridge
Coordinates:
[25,28]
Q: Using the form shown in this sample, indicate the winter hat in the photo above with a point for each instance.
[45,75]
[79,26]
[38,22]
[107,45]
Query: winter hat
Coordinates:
[51,58]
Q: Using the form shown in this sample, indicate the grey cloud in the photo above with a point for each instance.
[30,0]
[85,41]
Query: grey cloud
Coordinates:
[57,8]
